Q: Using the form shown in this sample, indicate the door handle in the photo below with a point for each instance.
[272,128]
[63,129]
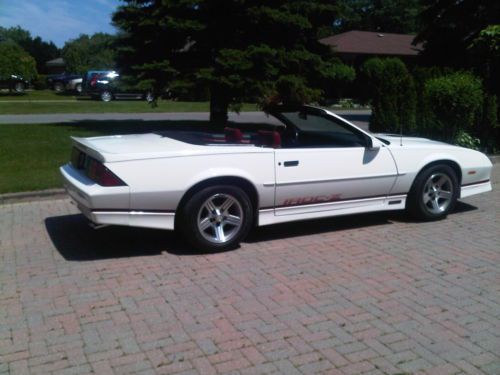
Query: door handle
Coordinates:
[291,163]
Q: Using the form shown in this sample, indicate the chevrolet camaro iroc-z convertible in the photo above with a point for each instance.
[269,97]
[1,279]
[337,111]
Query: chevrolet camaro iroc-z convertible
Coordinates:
[213,185]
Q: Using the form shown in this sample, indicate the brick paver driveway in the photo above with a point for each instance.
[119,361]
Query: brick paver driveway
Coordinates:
[372,294]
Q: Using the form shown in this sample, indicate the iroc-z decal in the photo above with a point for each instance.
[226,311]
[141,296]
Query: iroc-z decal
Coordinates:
[300,201]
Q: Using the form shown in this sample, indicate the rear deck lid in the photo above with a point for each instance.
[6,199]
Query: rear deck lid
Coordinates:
[126,147]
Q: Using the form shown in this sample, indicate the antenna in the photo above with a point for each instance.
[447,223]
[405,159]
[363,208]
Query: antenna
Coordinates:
[401,134]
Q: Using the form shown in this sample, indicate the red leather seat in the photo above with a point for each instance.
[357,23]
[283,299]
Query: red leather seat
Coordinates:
[233,135]
[269,138]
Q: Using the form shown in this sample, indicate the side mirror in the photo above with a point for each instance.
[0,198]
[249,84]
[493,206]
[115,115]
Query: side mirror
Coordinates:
[369,144]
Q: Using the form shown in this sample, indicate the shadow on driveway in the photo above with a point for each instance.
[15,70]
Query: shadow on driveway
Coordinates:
[77,241]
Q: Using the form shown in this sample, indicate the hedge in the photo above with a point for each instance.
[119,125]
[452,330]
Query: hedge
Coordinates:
[392,92]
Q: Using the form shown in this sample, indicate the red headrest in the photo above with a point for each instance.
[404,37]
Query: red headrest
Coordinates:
[269,138]
[233,135]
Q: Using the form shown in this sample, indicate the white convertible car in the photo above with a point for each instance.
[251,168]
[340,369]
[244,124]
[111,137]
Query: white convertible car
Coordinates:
[214,185]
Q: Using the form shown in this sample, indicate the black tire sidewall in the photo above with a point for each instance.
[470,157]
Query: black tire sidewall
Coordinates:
[106,92]
[19,87]
[58,87]
[189,218]
[416,204]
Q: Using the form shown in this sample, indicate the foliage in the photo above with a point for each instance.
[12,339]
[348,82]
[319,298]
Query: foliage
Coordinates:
[392,92]
[237,49]
[425,116]
[455,101]
[490,114]
[464,139]
[41,50]
[490,127]
[449,28]
[389,16]
[86,52]
[342,78]
[40,83]
[14,60]
[485,52]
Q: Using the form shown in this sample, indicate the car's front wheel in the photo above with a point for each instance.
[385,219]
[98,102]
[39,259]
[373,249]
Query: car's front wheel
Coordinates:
[216,218]
[79,88]
[58,87]
[19,87]
[106,96]
[434,193]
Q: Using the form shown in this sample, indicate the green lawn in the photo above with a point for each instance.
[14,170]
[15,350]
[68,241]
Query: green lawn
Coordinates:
[46,101]
[30,155]
[37,95]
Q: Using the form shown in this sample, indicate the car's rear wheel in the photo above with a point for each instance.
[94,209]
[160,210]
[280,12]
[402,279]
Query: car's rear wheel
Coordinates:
[216,218]
[58,87]
[19,87]
[434,193]
[106,96]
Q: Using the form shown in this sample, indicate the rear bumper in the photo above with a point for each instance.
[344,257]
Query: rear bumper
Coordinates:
[110,205]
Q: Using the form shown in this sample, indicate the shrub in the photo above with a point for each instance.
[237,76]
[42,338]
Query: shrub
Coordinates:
[40,83]
[14,60]
[424,118]
[490,114]
[464,139]
[455,102]
[392,92]
[341,77]
[490,128]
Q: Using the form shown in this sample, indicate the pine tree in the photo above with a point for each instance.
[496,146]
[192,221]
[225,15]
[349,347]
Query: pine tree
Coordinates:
[449,28]
[238,49]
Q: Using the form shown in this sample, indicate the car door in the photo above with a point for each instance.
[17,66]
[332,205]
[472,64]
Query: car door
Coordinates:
[328,167]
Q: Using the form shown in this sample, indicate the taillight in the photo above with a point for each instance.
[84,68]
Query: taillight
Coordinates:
[97,172]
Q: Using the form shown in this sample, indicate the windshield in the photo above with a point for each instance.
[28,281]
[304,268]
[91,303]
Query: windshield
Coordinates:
[314,123]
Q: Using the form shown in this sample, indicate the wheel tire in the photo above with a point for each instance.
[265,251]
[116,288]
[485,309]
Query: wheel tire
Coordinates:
[58,87]
[79,88]
[106,96]
[149,97]
[222,230]
[434,193]
[19,87]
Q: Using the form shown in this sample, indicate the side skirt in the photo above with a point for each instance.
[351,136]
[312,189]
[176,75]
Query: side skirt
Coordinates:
[315,211]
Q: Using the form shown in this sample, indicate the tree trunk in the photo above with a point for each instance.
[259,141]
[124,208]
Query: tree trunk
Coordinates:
[219,104]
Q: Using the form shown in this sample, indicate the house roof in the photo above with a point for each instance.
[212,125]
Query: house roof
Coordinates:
[373,43]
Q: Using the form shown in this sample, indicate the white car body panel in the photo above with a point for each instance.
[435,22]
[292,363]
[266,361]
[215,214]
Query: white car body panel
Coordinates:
[158,171]
[323,175]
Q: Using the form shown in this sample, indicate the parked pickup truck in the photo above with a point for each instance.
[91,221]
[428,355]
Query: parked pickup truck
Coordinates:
[65,81]
[14,83]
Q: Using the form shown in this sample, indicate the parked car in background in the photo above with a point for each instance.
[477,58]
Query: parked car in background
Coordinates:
[14,83]
[213,185]
[65,81]
[109,85]
[90,78]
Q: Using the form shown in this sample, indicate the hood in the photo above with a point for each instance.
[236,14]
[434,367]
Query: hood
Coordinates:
[396,140]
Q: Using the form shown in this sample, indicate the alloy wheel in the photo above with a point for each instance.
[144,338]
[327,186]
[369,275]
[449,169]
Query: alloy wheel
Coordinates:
[437,193]
[220,218]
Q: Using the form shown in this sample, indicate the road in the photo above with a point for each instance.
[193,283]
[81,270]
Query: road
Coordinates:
[358,117]
[366,294]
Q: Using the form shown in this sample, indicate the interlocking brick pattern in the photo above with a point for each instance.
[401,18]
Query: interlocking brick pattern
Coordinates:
[371,294]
